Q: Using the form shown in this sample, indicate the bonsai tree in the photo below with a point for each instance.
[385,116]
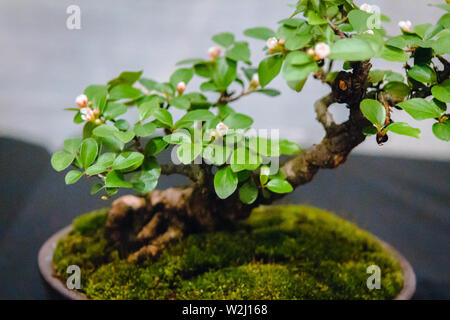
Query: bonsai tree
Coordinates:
[232,171]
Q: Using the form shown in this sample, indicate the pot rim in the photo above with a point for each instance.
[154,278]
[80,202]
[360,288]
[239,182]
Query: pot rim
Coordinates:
[46,268]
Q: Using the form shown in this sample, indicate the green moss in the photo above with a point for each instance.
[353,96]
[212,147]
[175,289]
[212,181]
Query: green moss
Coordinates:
[280,252]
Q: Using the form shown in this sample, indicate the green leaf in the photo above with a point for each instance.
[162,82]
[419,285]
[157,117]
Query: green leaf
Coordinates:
[61,160]
[397,42]
[155,146]
[269,68]
[122,124]
[351,49]
[104,162]
[239,52]
[163,116]
[261,33]
[126,77]
[197,115]
[113,110]
[189,61]
[314,18]
[422,74]
[390,53]
[420,109]
[292,71]
[144,130]
[73,176]
[404,129]
[244,159]
[442,44]
[238,121]
[442,130]
[224,39]
[264,146]
[396,90]
[182,103]
[359,20]
[181,75]
[216,154]
[105,130]
[369,131]
[124,91]
[146,109]
[373,111]
[88,152]
[96,188]
[124,136]
[248,192]
[279,186]
[442,91]
[128,160]
[178,137]
[288,147]
[115,180]
[224,73]
[269,92]
[72,145]
[225,182]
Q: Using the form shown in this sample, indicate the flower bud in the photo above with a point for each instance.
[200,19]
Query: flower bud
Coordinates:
[272,43]
[214,52]
[310,52]
[367,8]
[98,122]
[405,26]
[255,80]
[221,129]
[81,100]
[181,86]
[368,32]
[281,42]
[264,171]
[87,114]
[322,50]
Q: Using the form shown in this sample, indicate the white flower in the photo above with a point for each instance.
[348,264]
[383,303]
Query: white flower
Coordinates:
[221,129]
[367,8]
[214,52]
[181,86]
[87,114]
[368,32]
[322,50]
[272,43]
[81,100]
[405,25]
[255,80]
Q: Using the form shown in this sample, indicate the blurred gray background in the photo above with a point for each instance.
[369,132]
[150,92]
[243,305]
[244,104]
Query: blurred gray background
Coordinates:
[45,65]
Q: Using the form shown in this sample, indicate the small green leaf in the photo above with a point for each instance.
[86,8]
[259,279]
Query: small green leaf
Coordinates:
[373,111]
[404,129]
[391,53]
[88,152]
[442,91]
[238,121]
[126,77]
[369,131]
[224,72]
[269,68]
[216,154]
[279,186]
[442,130]
[181,75]
[351,49]
[113,110]
[239,52]
[248,192]
[182,103]
[73,176]
[269,92]
[288,147]
[61,160]
[122,124]
[104,162]
[144,130]
[225,182]
[420,109]
[178,137]
[187,152]
[96,188]
[124,136]
[124,91]
[163,116]
[72,145]
[225,39]
[155,146]
[261,33]
[115,179]
[128,160]
[146,109]
[359,20]
[422,74]
[105,130]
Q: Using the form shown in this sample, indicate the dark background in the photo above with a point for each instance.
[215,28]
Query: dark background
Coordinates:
[404,202]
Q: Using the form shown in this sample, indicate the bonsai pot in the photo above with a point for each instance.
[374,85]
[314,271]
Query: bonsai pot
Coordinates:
[46,267]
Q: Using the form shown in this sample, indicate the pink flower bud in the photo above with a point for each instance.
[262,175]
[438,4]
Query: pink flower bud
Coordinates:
[405,26]
[87,114]
[181,86]
[322,50]
[255,80]
[81,100]
[368,32]
[221,129]
[310,52]
[272,43]
[214,52]
[367,8]
[281,42]
[96,111]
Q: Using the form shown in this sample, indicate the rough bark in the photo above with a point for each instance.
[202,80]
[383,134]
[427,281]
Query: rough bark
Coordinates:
[142,227]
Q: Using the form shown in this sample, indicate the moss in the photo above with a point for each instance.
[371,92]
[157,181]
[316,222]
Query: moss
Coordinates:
[280,252]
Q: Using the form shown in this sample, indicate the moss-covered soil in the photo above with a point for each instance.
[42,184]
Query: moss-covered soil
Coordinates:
[280,252]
